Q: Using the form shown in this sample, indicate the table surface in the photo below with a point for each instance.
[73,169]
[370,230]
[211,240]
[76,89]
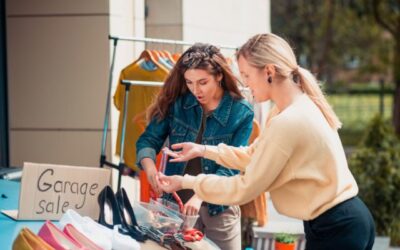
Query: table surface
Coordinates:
[9,228]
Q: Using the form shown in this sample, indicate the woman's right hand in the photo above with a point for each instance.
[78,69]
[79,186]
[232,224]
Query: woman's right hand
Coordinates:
[151,173]
[187,151]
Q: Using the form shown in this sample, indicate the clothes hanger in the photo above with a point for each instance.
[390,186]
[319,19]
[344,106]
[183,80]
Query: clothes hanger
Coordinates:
[169,56]
[156,55]
[147,55]
[163,60]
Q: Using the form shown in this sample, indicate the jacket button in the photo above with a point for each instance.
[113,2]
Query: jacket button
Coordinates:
[205,168]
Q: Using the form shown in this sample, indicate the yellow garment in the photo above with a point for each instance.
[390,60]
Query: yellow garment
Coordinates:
[27,240]
[299,158]
[140,98]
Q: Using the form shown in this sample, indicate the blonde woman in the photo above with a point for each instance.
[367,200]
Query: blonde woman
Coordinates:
[298,158]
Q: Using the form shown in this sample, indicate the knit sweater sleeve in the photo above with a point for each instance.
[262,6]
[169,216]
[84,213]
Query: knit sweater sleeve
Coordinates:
[231,157]
[265,164]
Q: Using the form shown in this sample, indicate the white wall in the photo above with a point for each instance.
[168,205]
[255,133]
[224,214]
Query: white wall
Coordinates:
[229,22]
[126,19]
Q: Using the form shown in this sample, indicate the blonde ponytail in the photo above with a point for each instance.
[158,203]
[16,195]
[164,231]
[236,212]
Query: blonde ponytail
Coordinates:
[311,87]
[263,49]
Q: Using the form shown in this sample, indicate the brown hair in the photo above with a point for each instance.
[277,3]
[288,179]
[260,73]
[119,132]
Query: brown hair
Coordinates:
[199,56]
[263,49]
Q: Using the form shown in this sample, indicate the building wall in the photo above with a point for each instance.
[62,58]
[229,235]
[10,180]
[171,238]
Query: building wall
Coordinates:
[229,22]
[225,22]
[57,68]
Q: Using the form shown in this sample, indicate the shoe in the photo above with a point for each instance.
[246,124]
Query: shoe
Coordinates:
[103,236]
[85,226]
[27,240]
[109,212]
[129,221]
[72,232]
[57,239]
[119,240]
[123,242]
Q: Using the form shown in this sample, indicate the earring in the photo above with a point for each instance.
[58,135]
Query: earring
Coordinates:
[269,80]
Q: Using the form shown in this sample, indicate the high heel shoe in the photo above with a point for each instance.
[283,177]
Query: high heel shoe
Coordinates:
[109,212]
[128,216]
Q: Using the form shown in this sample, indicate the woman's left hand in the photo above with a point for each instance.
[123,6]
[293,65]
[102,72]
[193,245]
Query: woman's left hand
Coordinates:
[169,184]
[188,151]
[192,206]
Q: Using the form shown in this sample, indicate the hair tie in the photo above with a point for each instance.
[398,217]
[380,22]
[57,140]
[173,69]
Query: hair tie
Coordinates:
[296,74]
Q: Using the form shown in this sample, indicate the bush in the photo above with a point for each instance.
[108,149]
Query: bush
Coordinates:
[376,167]
[285,238]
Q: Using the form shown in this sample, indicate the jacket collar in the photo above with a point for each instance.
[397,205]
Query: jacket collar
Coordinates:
[221,113]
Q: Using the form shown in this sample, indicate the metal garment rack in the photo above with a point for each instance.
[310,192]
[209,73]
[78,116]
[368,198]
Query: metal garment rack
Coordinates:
[115,39]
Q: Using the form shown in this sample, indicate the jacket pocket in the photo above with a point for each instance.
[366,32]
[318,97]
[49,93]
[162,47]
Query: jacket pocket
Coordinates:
[178,132]
[217,139]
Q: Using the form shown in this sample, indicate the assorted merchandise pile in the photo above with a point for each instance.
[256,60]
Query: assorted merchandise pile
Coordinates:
[120,226]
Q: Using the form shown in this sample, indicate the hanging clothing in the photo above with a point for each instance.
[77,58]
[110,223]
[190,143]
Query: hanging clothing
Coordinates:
[140,98]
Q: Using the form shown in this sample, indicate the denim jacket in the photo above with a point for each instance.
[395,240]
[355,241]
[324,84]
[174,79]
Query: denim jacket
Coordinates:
[231,123]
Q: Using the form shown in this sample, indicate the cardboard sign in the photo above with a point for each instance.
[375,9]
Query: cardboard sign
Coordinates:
[48,190]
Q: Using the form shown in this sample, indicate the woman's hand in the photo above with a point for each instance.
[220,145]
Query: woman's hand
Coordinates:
[188,151]
[151,173]
[192,206]
[169,184]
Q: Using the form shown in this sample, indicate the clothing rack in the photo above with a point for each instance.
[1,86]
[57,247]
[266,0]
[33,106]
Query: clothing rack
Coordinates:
[115,39]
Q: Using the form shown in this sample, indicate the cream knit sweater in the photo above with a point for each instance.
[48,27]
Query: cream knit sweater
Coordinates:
[298,158]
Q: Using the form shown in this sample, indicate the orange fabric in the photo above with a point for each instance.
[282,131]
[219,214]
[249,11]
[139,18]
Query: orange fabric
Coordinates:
[145,189]
[257,208]
[176,56]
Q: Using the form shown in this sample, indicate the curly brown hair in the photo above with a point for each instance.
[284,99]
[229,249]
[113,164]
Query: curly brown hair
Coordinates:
[199,56]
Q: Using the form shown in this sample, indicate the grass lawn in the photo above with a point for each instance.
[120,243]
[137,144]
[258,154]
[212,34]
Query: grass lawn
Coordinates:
[355,111]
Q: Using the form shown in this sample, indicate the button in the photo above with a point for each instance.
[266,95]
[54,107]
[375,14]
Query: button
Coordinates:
[214,212]
[205,168]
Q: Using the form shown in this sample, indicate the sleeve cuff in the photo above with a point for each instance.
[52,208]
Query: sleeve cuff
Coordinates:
[145,153]
[188,181]
[211,152]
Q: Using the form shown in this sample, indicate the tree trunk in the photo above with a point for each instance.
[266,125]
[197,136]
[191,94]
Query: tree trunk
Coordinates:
[396,79]
[324,60]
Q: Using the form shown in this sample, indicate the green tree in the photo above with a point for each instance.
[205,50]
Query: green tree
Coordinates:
[336,37]
[387,15]
[328,35]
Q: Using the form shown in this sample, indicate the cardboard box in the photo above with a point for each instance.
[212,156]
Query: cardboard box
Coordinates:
[48,190]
